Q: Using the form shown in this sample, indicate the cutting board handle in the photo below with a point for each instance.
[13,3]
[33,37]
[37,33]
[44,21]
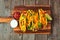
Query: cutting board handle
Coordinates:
[5,19]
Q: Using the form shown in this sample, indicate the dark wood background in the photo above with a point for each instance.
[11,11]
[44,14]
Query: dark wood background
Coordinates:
[7,33]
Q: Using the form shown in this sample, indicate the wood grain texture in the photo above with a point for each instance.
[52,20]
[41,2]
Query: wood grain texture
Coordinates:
[42,2]
[29,2]
[16,3]
[6,33]
[7,3]
[1,14]
[2,7]
[28,36]
[55,23]
[57,19]
[41,37]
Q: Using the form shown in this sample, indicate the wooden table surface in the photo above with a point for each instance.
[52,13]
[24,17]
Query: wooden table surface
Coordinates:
[7,33]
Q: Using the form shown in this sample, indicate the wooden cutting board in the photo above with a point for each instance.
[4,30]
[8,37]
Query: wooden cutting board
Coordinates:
[47,30]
